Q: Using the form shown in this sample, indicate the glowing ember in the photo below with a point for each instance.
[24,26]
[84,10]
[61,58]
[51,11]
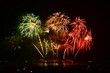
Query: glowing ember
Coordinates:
[32,26]
[88,38]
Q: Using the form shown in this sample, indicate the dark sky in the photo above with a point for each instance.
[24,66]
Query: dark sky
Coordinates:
[96,14]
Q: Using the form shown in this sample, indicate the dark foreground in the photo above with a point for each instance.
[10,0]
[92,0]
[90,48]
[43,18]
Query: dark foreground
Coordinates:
[54,67]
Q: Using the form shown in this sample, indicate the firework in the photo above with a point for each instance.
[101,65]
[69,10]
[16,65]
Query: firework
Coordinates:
[67,48]
[73,38]
[56,46]
[15,40]
[58,23]
[78,38]
[51,47]
[47,47]
[31,27]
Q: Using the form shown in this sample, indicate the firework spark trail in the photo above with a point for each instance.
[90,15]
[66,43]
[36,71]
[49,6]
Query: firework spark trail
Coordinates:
[64,54]
[56,46]
[46,46]
[41,44]
[52,51]
[67,47]
[38,51]
[74,45]
[49,47]
[65,50]
[76,53]
[73,39]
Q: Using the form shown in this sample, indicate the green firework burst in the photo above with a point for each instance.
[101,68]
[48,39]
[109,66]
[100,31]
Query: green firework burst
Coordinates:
[30,26]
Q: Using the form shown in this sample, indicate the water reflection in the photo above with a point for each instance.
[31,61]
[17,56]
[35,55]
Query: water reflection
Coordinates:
[59,64]
[54,66]
[56,63]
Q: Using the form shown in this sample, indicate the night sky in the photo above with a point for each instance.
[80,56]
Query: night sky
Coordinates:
[95,13]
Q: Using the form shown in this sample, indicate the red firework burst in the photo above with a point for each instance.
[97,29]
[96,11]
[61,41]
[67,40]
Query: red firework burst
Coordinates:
[78,38]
